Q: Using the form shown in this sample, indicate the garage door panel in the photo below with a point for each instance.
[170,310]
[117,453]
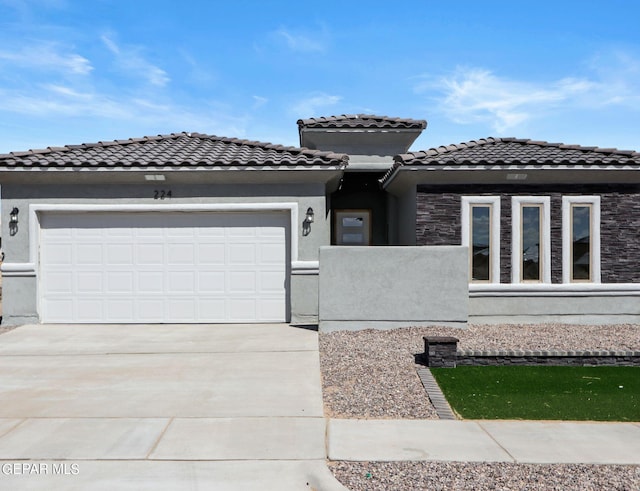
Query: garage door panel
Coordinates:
[181,232]
[213,232]
[181,309]
[89,254]
[242,232]
[150,254]
[271,309]
[181,282]
[58,254]
[120,254]
[150,310]
[211,254]
[211,282]
[150,282]
[242,253]
[90,310]
[271,253]
[164,267]
[58,309]
[271,281]
[120,282]
[212,309]
[89,281]
[242,309]
[181,254]
[120,309]
[274,232]
[118,233]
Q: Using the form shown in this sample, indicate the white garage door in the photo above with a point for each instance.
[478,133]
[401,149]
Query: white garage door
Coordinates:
[163,267]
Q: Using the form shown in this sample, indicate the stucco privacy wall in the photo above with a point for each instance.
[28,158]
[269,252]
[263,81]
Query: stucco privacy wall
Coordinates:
[20,292]
[385,287]
[438,222]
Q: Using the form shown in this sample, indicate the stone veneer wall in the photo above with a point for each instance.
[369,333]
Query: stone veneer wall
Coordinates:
[438,219]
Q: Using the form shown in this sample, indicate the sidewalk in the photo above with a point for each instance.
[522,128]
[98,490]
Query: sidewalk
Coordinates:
[484,441]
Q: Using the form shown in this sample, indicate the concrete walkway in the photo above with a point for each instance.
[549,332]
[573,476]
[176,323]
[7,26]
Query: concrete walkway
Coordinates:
[162,407]
[484,441]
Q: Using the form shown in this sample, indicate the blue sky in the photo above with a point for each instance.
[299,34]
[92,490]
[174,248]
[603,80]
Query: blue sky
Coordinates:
[74,71]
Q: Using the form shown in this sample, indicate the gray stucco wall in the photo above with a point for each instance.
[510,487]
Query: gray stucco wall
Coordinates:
[438,223]
[385,287]
[20,293]
[592,309]
[304,298]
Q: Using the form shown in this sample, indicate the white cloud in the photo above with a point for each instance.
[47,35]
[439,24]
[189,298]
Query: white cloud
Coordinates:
[132,62]
[308,106]
[476,95]
[301,42]
[47,56]
[55,102]
[259,101]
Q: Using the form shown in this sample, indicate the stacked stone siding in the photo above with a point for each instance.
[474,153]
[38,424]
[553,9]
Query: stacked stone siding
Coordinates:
[438,221]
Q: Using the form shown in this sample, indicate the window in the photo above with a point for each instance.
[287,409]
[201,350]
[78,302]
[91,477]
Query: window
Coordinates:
[531,240]
[481,234]
[352,227]
[581,239]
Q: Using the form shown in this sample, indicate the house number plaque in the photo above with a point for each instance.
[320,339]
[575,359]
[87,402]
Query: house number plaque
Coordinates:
[162,194]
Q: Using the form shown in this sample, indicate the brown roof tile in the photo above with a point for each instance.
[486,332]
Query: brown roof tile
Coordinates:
[514,151]
[193,150]
[354,121]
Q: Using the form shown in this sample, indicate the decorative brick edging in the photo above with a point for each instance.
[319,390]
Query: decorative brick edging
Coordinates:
[442,352]
[550,358]
[439,401]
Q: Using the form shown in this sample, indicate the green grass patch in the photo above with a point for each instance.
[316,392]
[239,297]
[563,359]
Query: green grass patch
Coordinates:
[551,393]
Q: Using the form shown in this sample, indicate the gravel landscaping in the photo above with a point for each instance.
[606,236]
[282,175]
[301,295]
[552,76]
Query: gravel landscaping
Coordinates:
[462,476]
[372,374]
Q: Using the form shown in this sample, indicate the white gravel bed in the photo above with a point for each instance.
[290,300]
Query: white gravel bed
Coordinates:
[372,373]
[460,476]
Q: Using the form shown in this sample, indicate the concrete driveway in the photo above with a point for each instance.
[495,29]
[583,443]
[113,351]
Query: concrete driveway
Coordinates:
[161,407]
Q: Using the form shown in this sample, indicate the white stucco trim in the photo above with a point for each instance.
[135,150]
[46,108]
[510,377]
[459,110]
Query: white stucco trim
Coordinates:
[18,269]
[516,257]
[554,290]
[594,201]
[494,201]
[305,267]
[36,209]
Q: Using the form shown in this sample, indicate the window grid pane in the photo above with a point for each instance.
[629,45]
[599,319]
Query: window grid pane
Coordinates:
[480,233]
[581,242]
[531,223]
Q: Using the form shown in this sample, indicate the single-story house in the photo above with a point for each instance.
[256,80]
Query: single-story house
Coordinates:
[193,228]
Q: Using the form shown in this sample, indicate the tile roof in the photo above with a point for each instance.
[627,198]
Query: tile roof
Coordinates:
[185,150]
[515,151]
[355,121]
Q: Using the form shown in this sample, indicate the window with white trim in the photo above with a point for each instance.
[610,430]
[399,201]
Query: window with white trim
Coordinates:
[481,234]
[581,239]
[530,239]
